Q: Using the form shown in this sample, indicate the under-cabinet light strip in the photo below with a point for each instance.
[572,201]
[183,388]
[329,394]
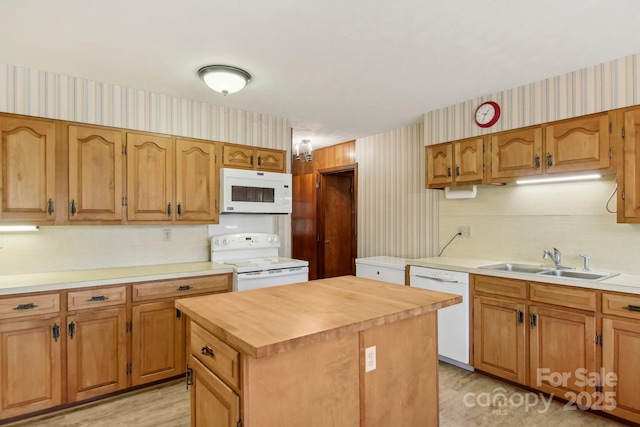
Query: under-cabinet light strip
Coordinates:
[559,179]
[18,228]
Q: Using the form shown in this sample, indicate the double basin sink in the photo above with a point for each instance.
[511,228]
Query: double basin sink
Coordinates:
[551,271]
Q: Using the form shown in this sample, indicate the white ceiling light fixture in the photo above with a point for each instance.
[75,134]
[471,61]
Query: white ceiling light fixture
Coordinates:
[224,78]
[303,151]
[559,179]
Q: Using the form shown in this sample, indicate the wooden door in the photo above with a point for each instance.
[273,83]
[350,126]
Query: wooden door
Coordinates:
[561,342]
[271,160]
[30,363]
[96,353]
[337,225]
[629,186]
[196,181]
[27,169]
[95,174]
[158,342]
[469,160]
[150,178]
[578,144]
[499,338]
[238,156]
[213,403]
[620,350]
[439,161]
[304,220]
[516,153]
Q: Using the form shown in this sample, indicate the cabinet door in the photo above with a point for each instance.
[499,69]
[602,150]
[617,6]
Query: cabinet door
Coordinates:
[620,350]
[157,342]
[95,174]
[27,169]
[213,404]
[196,181]
[630,186]
[499,338]
[96,353]
[271,160]
[469,160]
[439,163]
[30,363]
[578,144]
[238,156]
[516,153]
[563,344]
[150,178]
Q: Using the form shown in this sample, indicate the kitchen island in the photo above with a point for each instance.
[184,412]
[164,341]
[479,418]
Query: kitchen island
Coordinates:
[345,351]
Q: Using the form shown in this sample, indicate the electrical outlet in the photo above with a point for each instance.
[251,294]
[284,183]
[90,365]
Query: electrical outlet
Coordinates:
[464,230]
[166,234]
[370,358]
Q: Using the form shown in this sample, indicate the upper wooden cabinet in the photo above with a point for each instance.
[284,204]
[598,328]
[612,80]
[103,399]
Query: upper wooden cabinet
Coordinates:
[578,144]
[196,181]
[95,173]
[27,169]
[244,157]
[629,168]
[515,154]
[455,163]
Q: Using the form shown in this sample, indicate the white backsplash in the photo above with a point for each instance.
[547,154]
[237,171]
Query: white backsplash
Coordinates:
[517,223]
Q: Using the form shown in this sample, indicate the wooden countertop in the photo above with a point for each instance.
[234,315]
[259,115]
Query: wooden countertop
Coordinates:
[271,320]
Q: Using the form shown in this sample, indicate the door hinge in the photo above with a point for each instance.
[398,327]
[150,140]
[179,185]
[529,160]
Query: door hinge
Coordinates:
[622,194]
[124,149]
[188,376]
[317,237]
[598,340]
[129,326]
[533,320]
[610,127]
[124,201]
[129,369]
[610,153]
[318,185]
[623,132]
[178,314]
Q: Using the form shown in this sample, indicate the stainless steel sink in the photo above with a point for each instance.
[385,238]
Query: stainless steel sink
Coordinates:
[584,275]
[517,268]
[550,271]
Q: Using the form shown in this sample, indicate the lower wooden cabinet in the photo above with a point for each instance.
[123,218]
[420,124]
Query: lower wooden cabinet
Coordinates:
[499,338]
[30,366]
[213,403]
[157,342]
[96,353]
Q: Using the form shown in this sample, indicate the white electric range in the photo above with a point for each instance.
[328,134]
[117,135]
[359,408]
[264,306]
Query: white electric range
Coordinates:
[255,260]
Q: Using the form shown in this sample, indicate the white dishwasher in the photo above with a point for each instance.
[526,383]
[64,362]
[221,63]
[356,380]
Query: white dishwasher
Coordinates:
[453,321]
[383,268]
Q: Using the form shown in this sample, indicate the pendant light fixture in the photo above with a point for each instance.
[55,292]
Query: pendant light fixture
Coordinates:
[224,78]
[303,151]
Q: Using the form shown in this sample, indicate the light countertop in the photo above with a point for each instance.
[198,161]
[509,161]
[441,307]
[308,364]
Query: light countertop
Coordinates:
[629,283]
[38,282]
[271,320]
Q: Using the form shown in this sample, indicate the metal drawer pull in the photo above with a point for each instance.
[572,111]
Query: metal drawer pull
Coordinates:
[98,298]
[184,288]
[632,308]
[25,306]
[207,351]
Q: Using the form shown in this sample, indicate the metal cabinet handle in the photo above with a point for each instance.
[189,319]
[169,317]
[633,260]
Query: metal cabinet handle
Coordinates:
[179,209]
[448,172]
[29,306]
[457,170]
[632,308]
[169,208]
[98,298]
[259,160]
[537,161]
[74,207]
[184,288]
[50,207]
[55,331]
[549,160]
[251,160]
[207,351]
[72,329]
[520,317]
[533,320]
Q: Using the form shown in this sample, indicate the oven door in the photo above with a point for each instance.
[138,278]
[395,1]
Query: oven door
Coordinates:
[266,278]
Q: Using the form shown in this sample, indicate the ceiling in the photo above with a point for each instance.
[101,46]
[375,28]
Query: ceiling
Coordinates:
[336,69]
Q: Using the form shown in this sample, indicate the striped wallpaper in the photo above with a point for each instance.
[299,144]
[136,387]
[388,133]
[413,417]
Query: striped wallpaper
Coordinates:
[590,90]
[51,95]
[396,216]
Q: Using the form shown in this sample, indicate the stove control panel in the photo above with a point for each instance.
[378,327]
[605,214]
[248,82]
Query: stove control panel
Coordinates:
[242,241]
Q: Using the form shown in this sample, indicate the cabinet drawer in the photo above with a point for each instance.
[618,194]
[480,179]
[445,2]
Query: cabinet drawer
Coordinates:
[624,305]
[181,287]
[221,359]
[94,298]
[566,296]
[500,286]
[383,274]
[29,305]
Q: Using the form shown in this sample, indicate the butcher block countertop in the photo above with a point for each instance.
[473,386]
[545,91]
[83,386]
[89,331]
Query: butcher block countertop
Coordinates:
[268,321]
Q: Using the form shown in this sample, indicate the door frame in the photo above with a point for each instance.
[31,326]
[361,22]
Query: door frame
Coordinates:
[320,186]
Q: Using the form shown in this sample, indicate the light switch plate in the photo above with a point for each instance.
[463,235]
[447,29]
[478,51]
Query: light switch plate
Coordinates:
[370,358]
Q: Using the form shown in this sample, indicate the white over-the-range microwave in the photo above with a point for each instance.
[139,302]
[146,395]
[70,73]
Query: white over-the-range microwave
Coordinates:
[255,192]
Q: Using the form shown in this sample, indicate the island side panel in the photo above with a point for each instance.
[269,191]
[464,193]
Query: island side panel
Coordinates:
[314,385]
[403,389]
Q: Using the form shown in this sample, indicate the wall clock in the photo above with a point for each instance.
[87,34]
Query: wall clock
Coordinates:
[487,114]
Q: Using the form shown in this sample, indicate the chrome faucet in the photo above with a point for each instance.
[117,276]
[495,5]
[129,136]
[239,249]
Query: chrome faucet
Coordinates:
[556,257]
[586,261]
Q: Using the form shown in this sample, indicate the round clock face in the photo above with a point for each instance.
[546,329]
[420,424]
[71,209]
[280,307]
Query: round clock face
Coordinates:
[487,114]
